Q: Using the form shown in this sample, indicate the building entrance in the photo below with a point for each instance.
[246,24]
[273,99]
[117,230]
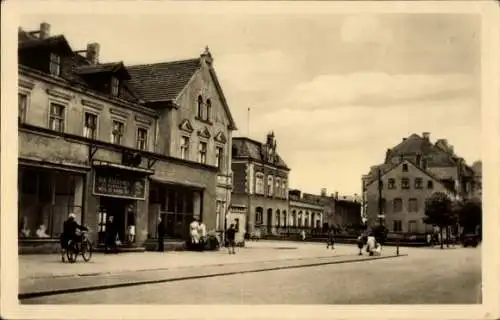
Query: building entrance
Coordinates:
[118,208]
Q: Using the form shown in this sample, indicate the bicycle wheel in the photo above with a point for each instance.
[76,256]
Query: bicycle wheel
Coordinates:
[86,251]
[71,252]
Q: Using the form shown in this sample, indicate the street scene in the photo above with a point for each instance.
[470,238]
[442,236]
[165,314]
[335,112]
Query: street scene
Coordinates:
[244,161]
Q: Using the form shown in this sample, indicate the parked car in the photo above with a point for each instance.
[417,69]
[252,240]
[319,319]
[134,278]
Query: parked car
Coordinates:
[470,239]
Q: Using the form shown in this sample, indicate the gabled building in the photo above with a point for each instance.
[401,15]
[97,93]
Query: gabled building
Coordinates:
[260,185]
[412,171]
[104,139]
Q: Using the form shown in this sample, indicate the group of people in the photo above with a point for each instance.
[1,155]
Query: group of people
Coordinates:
[373,247]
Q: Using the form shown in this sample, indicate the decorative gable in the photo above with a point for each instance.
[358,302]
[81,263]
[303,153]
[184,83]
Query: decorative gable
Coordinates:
[204,133]
[220,137]
[186,126]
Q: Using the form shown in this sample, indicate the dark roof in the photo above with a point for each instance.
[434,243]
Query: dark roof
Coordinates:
[162,81]
[113,67]
[247,148]
[59,43]
[416,144]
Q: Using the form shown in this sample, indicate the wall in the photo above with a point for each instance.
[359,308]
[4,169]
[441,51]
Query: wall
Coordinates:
[77,104]
[390,194]
[239,176]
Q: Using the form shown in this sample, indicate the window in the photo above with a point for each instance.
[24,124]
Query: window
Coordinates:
[397,205]
[413,205]
[278,187]
[209,109]
[418,183]
[283,188]
[200,107]
[202,152]
[185,148]
[259,183]
[430,184]
[398,226]
[142,139]
[412,226]
[55,64]
[405,183]
[90,126]
[23,106]
[405,167]
[115,86]
[391,183]
[237,224]
[277,219]
[270,186]
[219,157]
[117,132]
[259,213]
[56,118]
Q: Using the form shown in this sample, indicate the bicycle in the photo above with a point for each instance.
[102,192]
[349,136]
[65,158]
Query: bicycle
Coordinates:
[83,247]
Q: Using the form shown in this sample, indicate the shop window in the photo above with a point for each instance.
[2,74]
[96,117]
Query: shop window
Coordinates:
[179,202]
[171,200]
[189,202]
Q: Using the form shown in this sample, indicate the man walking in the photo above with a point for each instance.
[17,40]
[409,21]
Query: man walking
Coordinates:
[231,235]
[161,234]
[331,240]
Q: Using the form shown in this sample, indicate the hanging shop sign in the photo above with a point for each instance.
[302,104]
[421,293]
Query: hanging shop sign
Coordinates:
[119,186]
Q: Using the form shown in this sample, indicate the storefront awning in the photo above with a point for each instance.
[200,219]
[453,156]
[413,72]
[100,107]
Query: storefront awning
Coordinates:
[172,182]
[104,164]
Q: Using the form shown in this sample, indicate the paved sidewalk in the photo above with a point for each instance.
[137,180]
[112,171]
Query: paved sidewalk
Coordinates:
[50,266]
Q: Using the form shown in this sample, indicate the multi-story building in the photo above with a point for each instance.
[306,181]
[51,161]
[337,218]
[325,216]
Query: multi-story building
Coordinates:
[477,167]
[260,183]
[395,191]
[102,139]
[306,212]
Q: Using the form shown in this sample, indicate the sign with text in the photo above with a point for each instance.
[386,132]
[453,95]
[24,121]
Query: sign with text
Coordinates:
[119,186]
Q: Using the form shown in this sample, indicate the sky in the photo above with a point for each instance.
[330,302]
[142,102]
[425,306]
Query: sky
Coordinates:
[336,89]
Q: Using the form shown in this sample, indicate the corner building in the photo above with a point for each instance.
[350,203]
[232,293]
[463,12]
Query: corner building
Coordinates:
[104,139]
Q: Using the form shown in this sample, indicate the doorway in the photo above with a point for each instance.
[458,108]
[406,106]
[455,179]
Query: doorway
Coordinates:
[117,208]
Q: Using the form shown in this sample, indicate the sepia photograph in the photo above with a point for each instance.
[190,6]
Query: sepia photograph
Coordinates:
[256,157]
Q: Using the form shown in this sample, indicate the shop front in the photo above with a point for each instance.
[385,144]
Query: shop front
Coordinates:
[120,193]
[46,196]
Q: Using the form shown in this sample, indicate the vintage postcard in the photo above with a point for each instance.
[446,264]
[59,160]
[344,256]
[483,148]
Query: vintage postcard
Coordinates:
[235,159]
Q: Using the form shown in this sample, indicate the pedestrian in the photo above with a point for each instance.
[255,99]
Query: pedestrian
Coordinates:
[161,234]
[202,231]
[193,231]
[303,234]
[110,236]
[331,240]
[230,236]
[370,244]
[360,242]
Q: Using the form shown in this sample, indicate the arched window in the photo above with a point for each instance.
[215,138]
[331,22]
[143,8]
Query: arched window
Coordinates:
[293,219]
[209,110]
[200,107]
[277,221]
[285,218]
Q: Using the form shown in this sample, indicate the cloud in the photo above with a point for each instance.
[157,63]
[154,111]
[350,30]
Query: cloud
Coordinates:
[364,29]
[374,89]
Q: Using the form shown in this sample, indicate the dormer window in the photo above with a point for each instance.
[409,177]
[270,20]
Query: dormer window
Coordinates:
[115,86]
[55,64]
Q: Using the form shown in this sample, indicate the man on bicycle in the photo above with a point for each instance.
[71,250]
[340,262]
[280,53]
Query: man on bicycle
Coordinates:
[69,233]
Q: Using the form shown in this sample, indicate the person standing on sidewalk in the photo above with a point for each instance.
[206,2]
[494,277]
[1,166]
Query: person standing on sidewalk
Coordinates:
[110,243]
[331,240]
[161,234]
[230,236]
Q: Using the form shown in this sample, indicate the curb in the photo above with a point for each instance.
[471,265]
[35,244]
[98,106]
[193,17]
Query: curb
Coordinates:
[29,295]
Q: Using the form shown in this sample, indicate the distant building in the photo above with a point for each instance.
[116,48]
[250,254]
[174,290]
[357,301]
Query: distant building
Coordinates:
[477,167]
[306,212]
[260,183]
[412,171]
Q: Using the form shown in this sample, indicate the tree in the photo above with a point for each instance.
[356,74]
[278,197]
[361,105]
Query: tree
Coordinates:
[470,215]
[439,212]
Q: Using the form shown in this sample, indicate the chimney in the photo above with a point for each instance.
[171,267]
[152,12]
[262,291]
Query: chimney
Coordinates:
[426,135]
[44,30]
[323,192]
[93,53]
[336,195]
